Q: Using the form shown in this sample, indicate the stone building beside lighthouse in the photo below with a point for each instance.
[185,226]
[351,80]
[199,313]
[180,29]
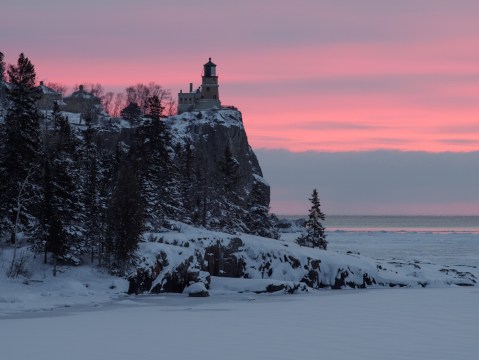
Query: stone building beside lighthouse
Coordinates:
[204,97]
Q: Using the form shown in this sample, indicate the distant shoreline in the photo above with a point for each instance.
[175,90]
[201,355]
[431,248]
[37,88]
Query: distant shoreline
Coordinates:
[397,223]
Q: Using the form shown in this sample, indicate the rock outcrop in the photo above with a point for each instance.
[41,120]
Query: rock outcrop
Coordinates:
[173,261]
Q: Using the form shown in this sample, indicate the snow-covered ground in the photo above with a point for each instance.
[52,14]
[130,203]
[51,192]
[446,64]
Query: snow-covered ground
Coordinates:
[347,324]
[73,286]
[84,313]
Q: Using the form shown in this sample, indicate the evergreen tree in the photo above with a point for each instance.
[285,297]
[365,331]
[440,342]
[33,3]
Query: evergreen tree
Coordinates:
[109,164]
[124,219]
[229,169]
[52,234]
[90,191]
[257,218]
[64,158]
[156,172]
[21,160]
[132,113]
[3,96]
[226,207]
[59,206]
[154,107]
[2,67]
[184,175]
[315,233]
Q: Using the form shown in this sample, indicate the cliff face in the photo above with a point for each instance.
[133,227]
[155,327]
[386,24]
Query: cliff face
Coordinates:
[232,177]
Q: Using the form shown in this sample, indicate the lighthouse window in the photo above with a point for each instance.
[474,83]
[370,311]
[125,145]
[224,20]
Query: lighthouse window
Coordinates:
[207,88]
[213,71]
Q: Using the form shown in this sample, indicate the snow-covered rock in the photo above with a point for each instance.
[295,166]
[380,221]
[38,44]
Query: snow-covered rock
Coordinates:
[196,290]
[172,261]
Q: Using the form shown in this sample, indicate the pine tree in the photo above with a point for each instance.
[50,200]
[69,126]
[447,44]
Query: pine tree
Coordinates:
[229,169]
[185,180]
[124,218]
[257,218]
[21,160]
[132,113]
[3,94]
[90,192]
[156,172]
[64,158]
[226,209]
[51,231]
[61,153]
[315,232]
[2,67]
[154,107]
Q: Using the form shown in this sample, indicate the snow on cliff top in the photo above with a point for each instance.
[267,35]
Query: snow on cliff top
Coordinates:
[181,124]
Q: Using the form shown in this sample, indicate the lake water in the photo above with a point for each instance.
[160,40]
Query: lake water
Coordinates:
[445,240]
[467,224]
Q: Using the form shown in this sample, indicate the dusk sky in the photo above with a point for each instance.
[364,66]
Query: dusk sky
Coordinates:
[308,75]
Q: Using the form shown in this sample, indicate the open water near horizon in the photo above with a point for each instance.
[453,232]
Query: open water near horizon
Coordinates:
[394,223]
[446,240]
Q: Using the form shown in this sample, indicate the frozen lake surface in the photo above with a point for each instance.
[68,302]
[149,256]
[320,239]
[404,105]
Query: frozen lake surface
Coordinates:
[430,323]
[444,247]
[345,324]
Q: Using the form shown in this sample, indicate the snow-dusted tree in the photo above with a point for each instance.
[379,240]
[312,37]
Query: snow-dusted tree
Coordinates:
[21,149]
[132,113]
[185,180]
[51,230]
[22,198]
[155,171]
[63,150]
[124,219]
[315,235]
[90,192]
[3,95]
[62,187]
[2,67]
[226,206]
[229,170]
[257,217]
[154,107]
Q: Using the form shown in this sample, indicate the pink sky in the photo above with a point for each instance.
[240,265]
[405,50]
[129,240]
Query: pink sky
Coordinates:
[317,75]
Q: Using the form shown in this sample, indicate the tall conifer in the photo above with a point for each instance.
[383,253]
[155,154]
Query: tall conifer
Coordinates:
[21,160]
[315,232]
[2,67]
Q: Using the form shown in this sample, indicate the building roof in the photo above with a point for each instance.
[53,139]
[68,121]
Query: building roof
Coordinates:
[46,90]
[210,63]
[81,94]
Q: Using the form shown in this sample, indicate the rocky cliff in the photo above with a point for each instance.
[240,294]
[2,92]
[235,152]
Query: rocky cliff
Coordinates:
[228,175]
[210,133]
[216,181]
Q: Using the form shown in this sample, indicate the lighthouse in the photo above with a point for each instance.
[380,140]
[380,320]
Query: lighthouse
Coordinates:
[205,97]
[209,84]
